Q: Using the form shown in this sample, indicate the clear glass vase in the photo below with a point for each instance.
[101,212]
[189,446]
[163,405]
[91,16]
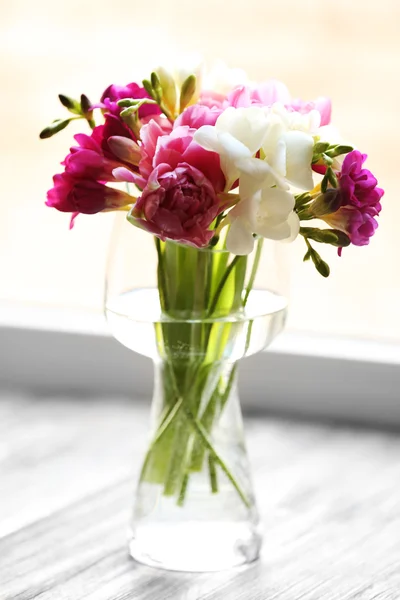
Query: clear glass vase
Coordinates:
[196,314]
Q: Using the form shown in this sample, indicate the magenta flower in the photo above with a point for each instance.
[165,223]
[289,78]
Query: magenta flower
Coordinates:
[87,161]
[113,93]
[359,201]
[177,204]
[84,195]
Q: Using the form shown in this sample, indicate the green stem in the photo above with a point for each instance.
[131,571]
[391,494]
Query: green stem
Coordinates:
[213,474]
[162,286]
[254,269]
[197,426]
[220,287]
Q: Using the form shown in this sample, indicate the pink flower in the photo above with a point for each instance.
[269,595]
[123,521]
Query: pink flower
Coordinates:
[196,116]
[113,126]
[321,104]
[269,92]
[114,93]
[176,148]
[177,204]
[87,160]
[212,99]
[84,196]
[359,201]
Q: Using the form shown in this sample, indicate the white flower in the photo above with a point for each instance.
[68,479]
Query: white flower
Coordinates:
[269,213]
[268,150]
[238,134]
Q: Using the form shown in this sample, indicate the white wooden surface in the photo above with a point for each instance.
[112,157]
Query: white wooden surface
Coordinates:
[329,497]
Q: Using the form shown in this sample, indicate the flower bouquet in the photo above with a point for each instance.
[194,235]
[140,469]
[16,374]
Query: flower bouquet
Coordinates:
[211,167]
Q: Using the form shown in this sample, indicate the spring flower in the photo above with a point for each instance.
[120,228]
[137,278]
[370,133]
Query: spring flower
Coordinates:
[269,213]
[176,148]
[113,93]
[87,160]
[84,196]
[358,198]
[177,204]
[241,133]
[273,91]
[197,115]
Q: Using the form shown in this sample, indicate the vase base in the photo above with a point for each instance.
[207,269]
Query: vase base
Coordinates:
[196,546]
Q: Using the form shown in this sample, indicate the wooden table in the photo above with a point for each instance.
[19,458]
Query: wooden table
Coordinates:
[329,497]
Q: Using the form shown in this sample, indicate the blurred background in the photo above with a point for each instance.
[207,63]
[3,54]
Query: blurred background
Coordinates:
[349,51]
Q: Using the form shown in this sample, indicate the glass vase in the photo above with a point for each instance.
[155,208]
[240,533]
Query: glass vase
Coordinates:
[196,313]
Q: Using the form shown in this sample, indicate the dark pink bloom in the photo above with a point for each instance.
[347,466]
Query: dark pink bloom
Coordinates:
[196,116]
[358,224]
[176,148]
[357,185]
[177,204]
[114,93]
[359,201]
[84,195]
[269,92]
[87,160]
[113,126]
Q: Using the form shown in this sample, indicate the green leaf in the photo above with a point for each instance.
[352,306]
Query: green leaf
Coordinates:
[307,256]
[72,105]
[55,127]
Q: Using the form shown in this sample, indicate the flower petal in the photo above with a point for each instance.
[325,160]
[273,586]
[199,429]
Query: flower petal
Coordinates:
[299,150]
[275,203]
[239,240]
[207,137]
[255,174]
[248,125]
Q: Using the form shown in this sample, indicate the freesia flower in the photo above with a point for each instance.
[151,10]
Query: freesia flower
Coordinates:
[84,196]
[197,115]
[177,204]
[240,133]
[175,148]
[269,213]
[113,93]
[358,198]
[272,91]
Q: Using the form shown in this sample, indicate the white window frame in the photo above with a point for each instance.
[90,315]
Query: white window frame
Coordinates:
[50,351]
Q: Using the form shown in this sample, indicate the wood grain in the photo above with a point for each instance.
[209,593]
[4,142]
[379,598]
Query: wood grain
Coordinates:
[329,497]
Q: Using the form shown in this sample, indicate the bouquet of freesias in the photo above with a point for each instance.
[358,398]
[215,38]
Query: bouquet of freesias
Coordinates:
[211,166]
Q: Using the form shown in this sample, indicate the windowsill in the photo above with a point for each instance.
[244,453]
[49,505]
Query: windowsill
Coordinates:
[59,351]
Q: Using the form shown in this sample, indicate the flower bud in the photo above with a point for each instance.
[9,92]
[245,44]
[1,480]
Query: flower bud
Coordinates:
[187,90]
[55,127]
[72,105]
